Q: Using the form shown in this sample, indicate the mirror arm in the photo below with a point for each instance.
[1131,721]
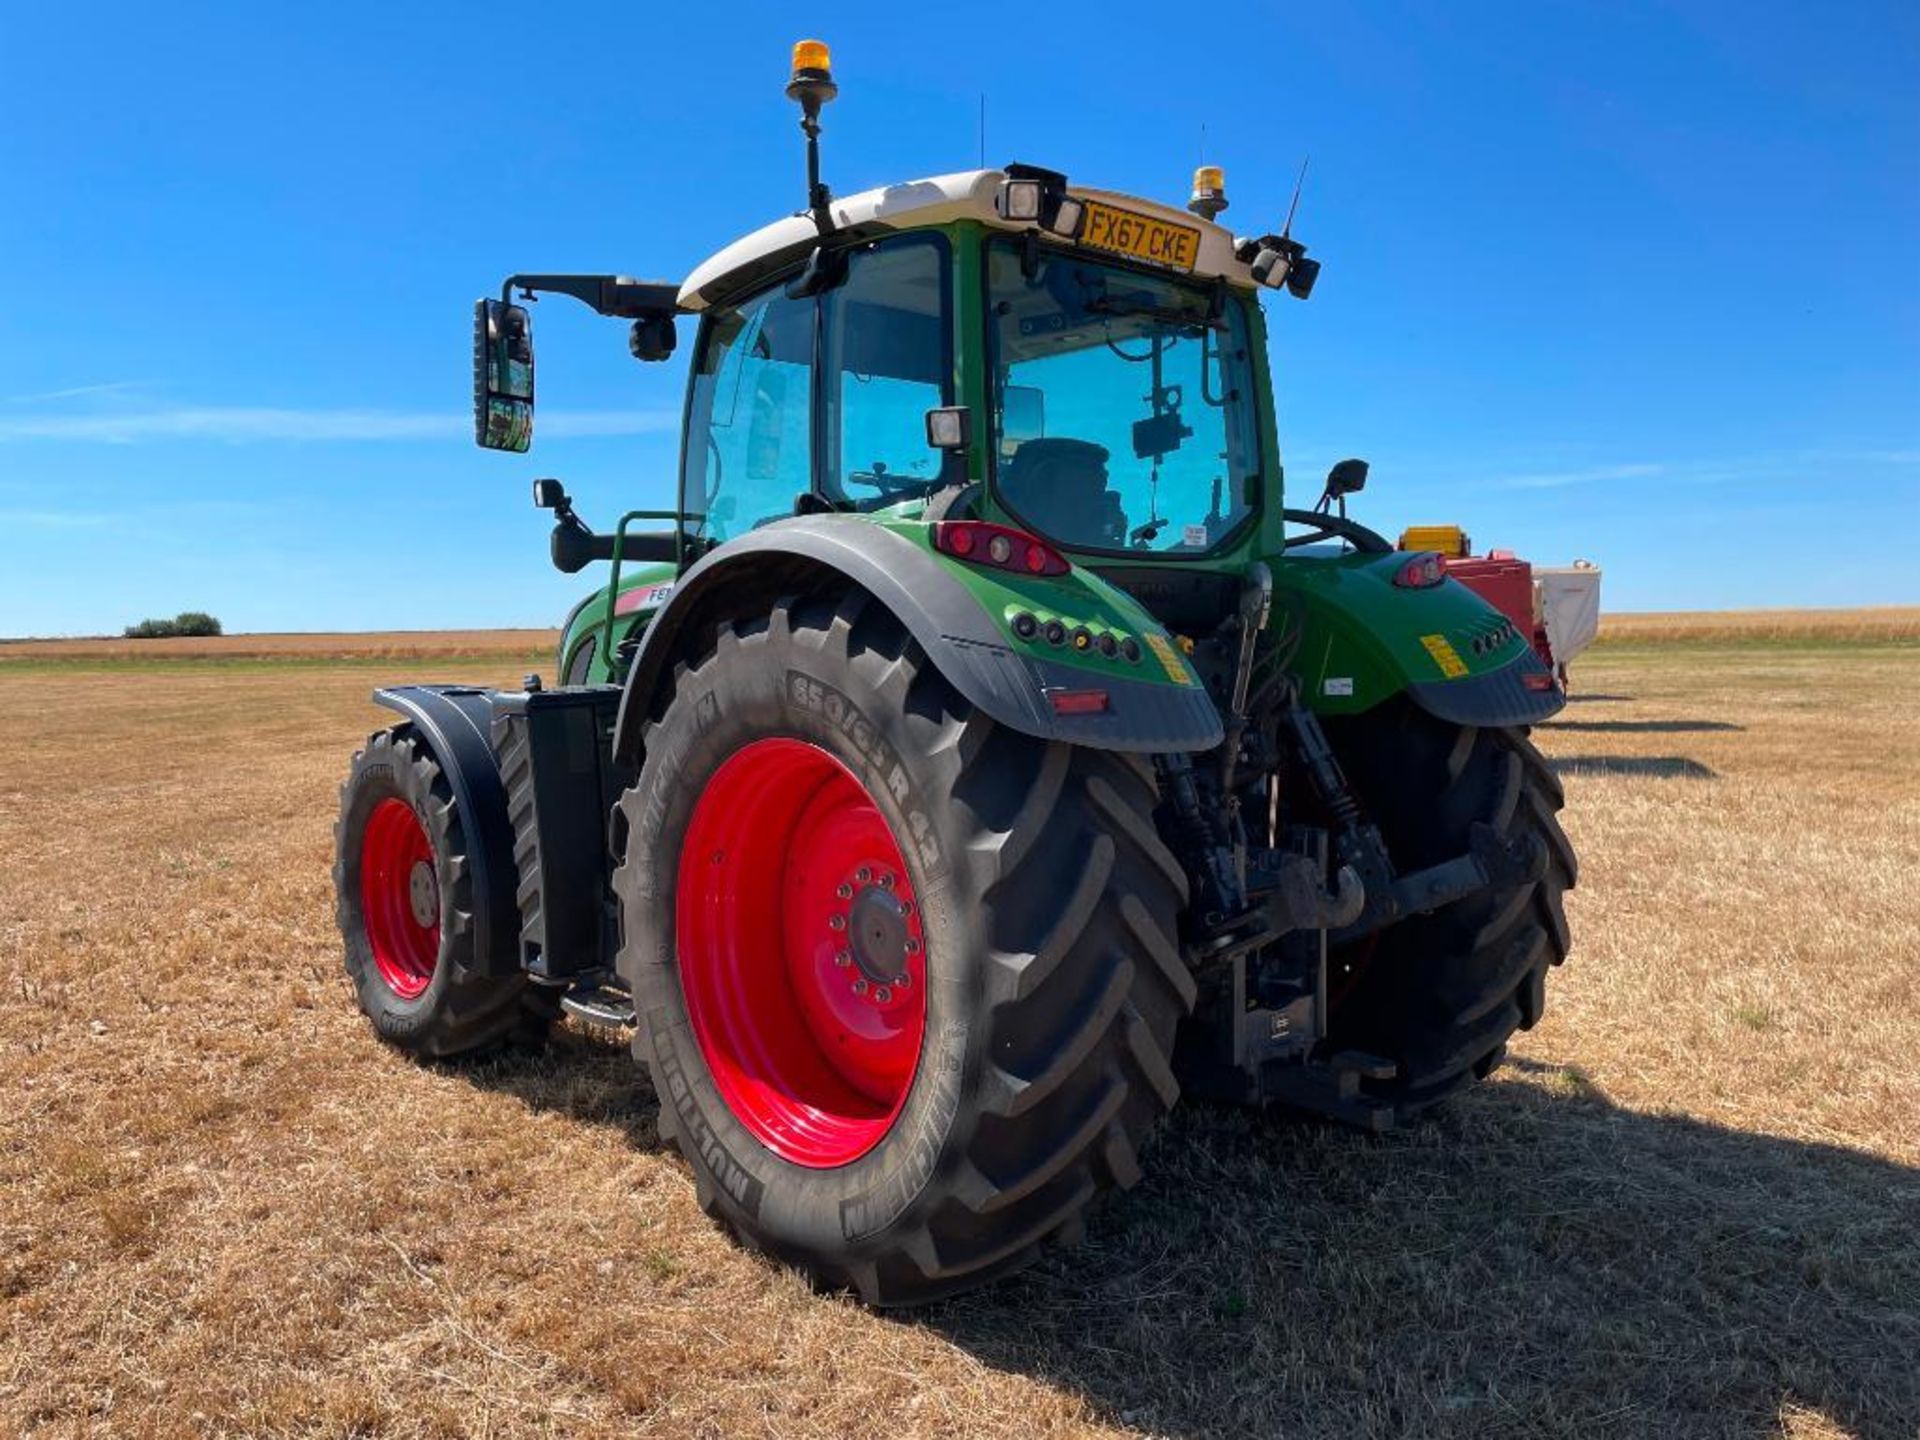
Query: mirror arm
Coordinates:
[615,295]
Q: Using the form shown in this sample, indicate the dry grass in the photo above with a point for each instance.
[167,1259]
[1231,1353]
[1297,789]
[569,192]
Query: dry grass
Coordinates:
[1691,1207]
[1871,625]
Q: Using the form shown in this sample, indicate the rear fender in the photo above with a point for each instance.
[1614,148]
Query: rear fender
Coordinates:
[1358,639]
[961,616]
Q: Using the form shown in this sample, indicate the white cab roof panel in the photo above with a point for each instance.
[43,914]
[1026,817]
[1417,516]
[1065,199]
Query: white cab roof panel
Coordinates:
[940,200]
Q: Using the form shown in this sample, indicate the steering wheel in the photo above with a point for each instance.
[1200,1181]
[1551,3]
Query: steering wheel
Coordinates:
[1326,527]
[885,481]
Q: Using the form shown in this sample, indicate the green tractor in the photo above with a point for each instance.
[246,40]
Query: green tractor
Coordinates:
[980,757]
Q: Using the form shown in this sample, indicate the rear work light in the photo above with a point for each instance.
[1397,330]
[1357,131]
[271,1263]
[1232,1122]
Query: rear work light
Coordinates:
[980,542]
[1420,572]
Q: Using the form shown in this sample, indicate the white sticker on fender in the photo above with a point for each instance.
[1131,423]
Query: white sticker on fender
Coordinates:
[1338,685]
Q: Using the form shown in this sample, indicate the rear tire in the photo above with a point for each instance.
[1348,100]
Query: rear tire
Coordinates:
[1051,983]
[404,901]
[1442,993]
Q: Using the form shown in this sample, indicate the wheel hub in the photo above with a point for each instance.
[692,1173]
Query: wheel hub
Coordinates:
[423,895]
[877,935]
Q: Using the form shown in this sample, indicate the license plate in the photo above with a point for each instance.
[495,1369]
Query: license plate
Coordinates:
[1140,236]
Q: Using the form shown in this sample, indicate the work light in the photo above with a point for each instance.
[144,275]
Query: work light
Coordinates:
[1035,196]
[1018,200]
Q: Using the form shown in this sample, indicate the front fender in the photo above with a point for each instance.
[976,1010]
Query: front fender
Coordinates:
[456,721]
[961,616]
[1361,640]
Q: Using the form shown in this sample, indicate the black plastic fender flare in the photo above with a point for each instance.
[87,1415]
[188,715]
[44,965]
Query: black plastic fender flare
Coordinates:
[960,638]
[1521,692]
[456,721]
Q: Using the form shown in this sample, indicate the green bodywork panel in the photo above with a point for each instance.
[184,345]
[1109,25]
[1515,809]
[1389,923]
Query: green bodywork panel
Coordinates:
[1081,600]
[644,588]
[1357,639]
[1353,637]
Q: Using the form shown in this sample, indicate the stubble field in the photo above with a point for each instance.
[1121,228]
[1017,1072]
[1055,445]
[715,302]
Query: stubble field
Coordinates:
[1690,1205]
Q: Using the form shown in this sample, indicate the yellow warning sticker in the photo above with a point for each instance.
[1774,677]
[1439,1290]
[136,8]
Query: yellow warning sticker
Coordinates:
[1445,656]
[1169,659]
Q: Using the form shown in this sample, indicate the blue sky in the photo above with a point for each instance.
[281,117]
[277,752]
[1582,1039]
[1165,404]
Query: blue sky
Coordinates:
[1628,282]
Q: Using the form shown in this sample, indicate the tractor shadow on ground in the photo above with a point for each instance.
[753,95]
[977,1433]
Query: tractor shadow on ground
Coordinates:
[578,1074]
[1646,767]
[1597,698]
[1530,1260]
[1641,727]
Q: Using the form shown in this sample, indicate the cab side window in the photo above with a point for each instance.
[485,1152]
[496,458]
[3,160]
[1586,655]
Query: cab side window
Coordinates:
[749,453]
[888,362]
[752,405]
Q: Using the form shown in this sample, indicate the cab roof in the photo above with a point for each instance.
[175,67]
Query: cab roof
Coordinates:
[939,200]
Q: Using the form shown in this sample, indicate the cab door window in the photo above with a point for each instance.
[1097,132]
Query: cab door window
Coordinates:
[749,452]
[888,360]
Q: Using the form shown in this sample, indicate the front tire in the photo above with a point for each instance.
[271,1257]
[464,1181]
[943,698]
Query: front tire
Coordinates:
[1442,993]
[812,765]
[404,900]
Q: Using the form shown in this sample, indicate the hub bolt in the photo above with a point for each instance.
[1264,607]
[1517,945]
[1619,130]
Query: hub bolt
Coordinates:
[903,980]
[863,874]
[845,891]
[836,922]
[913,946]
[882,995]
[886,880]
[843,959]
[859,987]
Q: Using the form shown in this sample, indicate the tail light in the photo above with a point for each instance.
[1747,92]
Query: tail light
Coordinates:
[1420,572]
[1078,702]
[980,542]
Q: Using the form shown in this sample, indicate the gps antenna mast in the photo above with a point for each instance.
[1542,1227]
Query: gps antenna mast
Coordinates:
[1286,230]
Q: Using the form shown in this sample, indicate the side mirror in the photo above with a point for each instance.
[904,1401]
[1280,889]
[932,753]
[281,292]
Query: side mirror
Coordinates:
[502,376]
[1348,477]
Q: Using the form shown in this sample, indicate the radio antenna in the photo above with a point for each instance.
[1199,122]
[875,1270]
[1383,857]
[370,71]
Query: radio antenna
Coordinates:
[1286,230]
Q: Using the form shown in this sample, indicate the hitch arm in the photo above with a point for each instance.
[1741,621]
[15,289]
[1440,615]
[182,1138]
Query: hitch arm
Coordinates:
[1491,860]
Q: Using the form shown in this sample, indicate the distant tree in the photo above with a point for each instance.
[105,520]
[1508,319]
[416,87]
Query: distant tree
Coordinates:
[188,622]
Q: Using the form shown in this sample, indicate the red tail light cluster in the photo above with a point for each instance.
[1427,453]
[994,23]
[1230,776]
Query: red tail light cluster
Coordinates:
[1420,572]
[980,542]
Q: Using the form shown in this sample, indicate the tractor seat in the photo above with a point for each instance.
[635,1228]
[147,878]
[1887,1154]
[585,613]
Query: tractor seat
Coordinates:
[1059,486]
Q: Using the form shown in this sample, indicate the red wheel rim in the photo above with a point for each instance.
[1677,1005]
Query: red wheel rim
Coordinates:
[400,898]
[801,953]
